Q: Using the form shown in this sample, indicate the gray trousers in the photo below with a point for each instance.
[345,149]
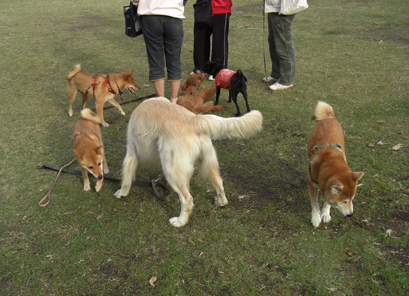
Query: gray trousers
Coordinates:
[163,40]
[282,52]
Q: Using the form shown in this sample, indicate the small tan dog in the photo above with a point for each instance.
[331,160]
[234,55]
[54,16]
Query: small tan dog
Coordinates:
[193,96]
[101,87]
[89,148]
[328,170]
[169,136]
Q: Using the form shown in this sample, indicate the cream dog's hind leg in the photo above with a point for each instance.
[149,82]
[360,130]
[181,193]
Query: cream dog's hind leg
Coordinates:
[128,171]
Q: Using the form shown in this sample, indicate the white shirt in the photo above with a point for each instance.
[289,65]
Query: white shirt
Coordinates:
[272,6]
[172,8]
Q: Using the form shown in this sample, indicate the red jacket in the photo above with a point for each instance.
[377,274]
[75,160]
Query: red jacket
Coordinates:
[221,6]
[223,78]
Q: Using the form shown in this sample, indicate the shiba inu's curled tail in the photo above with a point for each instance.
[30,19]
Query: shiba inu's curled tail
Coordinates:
[87,114]
[234,127]
[74,70]
[323,111]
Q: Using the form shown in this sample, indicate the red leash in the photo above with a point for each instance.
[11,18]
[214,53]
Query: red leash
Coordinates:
[127,102]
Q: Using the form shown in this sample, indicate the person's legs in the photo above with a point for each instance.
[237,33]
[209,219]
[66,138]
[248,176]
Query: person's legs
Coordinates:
[173,41]
[159,87]
[220,43]
[282,41]
[174,90]
[201,46]
[152,27]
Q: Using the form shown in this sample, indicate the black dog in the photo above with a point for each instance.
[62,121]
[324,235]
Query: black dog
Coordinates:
[235,82]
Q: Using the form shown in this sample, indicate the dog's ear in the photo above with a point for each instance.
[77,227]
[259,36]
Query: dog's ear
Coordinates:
[128,72]
[99,149]
[357,175]
[336,188]
[79,153]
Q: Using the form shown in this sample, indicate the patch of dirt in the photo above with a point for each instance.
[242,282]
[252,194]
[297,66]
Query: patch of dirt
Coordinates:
[397,253]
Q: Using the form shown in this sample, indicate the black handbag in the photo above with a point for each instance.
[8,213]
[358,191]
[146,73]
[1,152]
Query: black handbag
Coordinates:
[133,26]
[203,13]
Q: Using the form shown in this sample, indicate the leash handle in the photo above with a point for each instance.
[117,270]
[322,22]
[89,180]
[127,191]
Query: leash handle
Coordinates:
[47,196]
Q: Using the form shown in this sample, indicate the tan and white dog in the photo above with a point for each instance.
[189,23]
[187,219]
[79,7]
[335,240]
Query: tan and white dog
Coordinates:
[166,134]
[89,148]
[102,88]
[328,170]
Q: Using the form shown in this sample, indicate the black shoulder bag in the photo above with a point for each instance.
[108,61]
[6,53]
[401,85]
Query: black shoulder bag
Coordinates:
[133,26]
[203,13]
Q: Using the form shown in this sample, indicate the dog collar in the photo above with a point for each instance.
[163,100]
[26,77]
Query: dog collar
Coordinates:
[336,146]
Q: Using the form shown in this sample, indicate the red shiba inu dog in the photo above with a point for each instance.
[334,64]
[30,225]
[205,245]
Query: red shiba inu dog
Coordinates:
[328,170]
[102,88]
[89,148]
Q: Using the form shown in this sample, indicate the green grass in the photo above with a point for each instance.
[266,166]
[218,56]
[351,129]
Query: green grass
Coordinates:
[351,54]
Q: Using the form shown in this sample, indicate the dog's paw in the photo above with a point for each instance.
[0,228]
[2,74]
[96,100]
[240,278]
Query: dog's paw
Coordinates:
[70,113]
[175,221]
[123,113]
[118,194]
[105,124]
[326,218]
[220,202]
[87,187]
[316,219]
[98,186]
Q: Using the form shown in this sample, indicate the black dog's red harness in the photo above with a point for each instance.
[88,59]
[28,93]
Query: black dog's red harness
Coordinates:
[222,78]
[93,84]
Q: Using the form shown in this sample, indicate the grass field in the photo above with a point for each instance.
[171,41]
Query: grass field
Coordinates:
[352,54]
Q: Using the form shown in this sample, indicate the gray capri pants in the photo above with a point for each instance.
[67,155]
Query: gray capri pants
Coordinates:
[163,39]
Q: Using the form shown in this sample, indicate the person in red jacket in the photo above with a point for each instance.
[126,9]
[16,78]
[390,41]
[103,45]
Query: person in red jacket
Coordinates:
[219,32]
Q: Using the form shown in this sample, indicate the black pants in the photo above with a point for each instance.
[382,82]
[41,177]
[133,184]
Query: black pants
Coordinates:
[220,44]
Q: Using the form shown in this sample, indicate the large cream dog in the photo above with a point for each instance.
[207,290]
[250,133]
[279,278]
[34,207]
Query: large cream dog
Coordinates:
[166,134]
[328,170]
[89,148]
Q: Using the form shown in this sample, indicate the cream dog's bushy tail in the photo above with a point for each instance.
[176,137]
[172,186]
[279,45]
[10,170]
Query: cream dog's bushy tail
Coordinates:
[323,111]
[87,114]
[234,127]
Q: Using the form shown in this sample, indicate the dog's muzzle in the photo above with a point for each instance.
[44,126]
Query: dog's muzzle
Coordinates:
[132,90]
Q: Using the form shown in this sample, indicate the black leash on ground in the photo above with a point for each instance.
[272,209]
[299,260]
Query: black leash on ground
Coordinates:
[264,47]
[157,187]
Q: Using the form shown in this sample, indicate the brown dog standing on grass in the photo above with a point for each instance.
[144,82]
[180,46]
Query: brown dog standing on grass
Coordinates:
[101,87]
[89,148]
[328,170]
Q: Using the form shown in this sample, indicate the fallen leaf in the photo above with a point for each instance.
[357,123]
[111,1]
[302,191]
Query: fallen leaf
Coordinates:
[371,145]
[397,147]
[153,280]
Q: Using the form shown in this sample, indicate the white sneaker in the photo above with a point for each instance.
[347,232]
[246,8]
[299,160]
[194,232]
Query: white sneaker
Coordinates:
[211,77]
[278,86]
[269,79]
